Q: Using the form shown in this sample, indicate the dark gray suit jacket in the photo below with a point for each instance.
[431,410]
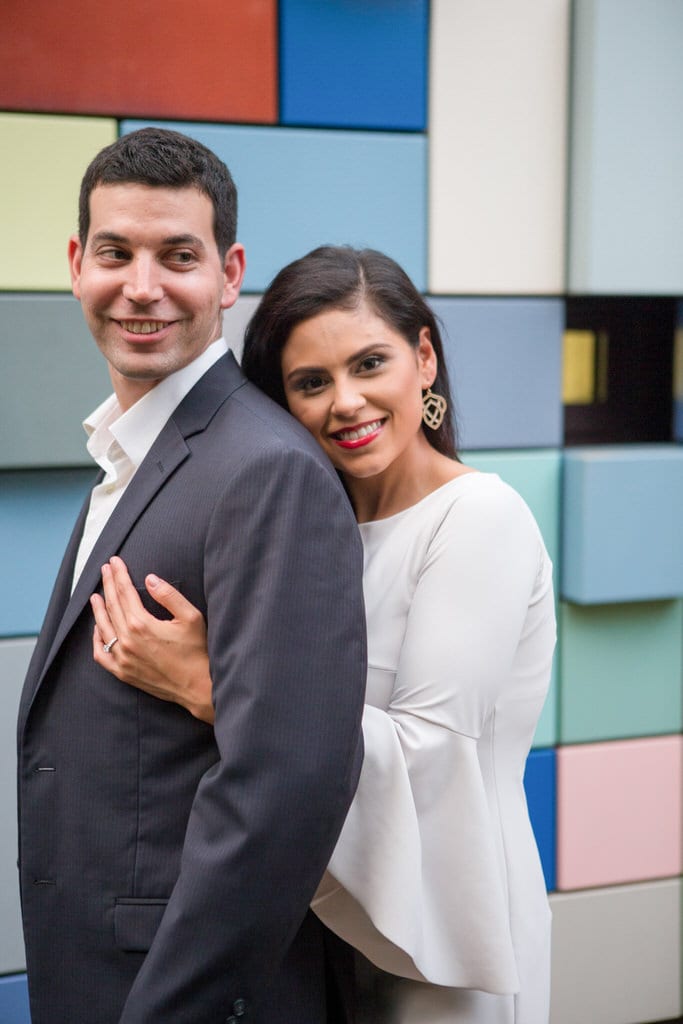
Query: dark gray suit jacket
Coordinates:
[166,867]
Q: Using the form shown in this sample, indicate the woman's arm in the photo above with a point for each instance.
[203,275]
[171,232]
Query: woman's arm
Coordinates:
[166,658]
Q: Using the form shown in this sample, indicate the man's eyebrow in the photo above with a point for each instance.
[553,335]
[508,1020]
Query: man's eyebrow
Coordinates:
[113,236]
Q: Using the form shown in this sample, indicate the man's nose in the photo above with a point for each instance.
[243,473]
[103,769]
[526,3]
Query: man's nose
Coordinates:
[143,282]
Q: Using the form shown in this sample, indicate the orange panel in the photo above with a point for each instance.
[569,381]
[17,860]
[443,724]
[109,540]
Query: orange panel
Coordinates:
[212,60]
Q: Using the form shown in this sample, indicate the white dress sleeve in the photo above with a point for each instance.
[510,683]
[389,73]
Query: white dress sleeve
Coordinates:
[418,879]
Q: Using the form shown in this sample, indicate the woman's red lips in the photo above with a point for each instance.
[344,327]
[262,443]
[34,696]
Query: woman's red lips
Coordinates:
[359,435]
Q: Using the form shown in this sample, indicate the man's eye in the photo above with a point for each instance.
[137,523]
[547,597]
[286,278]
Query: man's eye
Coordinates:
[113,254]
[182,257]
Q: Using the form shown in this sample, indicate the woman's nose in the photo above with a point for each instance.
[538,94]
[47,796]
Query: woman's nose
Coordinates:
[348,400]
[143,283]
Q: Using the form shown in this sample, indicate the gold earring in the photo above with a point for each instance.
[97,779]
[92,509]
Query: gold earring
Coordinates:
[433,409]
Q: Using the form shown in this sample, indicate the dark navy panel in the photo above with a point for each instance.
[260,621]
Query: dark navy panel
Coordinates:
[504,357]
[540,786]
[14,1000]
[37,513]
[354,63]
[52,376]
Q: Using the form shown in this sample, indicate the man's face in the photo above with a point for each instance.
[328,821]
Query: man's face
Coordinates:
[151,281]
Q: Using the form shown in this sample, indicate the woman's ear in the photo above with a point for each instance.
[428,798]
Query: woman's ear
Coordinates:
[426,358]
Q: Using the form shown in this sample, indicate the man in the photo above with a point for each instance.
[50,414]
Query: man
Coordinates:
[166,868]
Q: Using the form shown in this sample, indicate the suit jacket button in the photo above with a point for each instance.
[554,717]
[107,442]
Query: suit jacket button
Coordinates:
[239,1007]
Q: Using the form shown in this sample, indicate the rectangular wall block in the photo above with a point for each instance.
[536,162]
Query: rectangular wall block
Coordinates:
[625,210]
[505,363]
[53,375]
[14,1007]
[539,783]
[235,321]
[14,658]
[619,812]
[621,667]
[43,160]
[497,146]
[354,64]
[616,955]
[161,58]
[299,189]
[622,537]
[37,513]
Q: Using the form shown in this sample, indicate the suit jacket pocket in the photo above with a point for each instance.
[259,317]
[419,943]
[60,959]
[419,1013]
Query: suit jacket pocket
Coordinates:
[136,922]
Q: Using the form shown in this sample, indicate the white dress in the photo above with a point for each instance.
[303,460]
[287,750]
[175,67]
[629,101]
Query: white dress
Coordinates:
[436,876]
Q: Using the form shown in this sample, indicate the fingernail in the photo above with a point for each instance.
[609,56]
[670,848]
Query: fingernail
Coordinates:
[153,580]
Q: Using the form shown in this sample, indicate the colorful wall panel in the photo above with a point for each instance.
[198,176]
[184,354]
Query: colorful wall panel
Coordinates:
[299,189]
[625,213]
[497,146]
[161,58]
[352,64]
[14,1000]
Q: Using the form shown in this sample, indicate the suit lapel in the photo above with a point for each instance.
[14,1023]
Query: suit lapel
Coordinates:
[168,451]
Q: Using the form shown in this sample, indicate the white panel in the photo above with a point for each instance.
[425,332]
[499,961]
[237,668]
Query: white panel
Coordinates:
[236,319]
[617,954]
[14,659]
[497,146]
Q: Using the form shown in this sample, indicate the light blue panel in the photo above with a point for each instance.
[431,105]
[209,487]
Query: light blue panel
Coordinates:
[622,538]
[299,189]
[52,376]
[540,785]
[536,476]
[626,214]
[354,63]
[37,513]
[504,359]
[14,658]
[14,1000]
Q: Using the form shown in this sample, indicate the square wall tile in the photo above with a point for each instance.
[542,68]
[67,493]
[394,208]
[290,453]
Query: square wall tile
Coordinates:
[619,812]
[616,955]
[349,63]
[622,538]
[43,160]
[621,670]
[504,359]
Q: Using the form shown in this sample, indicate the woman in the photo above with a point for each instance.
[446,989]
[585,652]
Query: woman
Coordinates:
[436,878]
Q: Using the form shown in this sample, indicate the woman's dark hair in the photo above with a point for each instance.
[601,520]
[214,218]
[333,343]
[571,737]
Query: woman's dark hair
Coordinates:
[340,277]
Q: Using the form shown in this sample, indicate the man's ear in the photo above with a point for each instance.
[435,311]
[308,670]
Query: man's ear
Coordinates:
[75,253]
[234,266]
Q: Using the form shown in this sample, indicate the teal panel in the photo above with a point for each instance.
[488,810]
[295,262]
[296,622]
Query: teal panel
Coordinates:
[37,513]
[621,670]
[625,209]
[621,525]
[536,476]
[302,188]
[52,376]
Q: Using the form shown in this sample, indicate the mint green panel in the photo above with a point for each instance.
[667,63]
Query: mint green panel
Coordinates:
[621,670]
[43,160]
[536,476]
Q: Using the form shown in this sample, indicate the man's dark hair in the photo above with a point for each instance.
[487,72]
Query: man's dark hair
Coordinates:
[340,277]
[164,158]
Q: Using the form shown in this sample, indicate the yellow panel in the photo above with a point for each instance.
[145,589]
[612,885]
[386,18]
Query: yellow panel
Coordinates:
[43,160]
[578,367]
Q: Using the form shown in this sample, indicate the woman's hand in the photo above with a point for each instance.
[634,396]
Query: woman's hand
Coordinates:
[166,658]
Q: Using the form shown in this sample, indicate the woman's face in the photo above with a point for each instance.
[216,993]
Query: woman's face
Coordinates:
[356,385]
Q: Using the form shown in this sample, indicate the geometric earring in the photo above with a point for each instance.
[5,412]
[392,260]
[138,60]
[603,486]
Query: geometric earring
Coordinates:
[433,409]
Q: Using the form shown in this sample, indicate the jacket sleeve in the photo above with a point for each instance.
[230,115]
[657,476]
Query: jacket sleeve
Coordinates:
[286,632]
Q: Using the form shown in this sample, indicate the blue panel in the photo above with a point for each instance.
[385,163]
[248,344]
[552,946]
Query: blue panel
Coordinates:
[14,1000]
[299,189]
[354,63]
[622,538]
[37,513]
[504,358]
[539,783]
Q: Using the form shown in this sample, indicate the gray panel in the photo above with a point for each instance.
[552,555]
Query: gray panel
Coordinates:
[14,659]
[617,954]
[52,377]
[236,319]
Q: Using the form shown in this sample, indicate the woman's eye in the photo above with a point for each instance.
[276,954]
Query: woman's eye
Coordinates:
[371,362]
[311,384]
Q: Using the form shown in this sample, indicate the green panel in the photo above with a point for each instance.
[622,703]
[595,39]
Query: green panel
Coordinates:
[43,160]
[536,476]
[621,669]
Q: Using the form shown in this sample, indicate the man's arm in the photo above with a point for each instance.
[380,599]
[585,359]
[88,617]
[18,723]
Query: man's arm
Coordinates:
[286,632]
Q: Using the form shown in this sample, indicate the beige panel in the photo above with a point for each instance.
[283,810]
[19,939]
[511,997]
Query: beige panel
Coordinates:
[43,160]
[497,146]
[14,659]
[617,954]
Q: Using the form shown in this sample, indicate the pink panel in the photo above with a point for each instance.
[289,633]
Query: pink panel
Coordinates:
[619,812]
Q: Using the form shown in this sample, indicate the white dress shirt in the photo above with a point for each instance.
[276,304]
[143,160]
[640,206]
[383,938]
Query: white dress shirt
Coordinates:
[119,441]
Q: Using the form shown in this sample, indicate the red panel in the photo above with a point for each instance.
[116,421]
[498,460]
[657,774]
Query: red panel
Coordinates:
[211,60]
